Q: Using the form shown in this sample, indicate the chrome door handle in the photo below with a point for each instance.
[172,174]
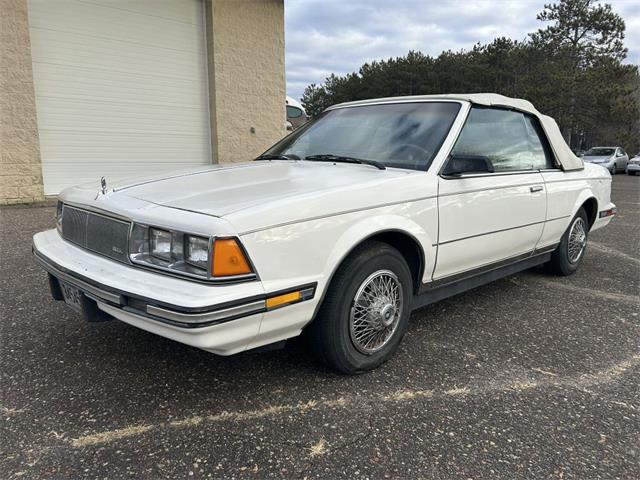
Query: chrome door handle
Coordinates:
[535,188]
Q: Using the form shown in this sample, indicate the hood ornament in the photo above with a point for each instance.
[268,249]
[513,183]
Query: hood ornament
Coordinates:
[103,188]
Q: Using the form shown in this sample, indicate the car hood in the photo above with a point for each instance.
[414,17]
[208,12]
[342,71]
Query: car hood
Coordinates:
[260,194]
[597,159]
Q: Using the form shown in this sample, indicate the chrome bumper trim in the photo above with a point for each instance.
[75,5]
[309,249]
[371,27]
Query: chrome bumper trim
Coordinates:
[208,317]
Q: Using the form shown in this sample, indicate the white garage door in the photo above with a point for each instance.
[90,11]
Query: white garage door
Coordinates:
[121,88]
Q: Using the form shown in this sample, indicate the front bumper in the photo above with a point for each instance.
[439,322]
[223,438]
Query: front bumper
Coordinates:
[608,165]
[223,319]
[633,167]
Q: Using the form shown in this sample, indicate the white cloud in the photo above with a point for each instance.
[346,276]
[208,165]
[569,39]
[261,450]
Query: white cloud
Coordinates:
[337,36]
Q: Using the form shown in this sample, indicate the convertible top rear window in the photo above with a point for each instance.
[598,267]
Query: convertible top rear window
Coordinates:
[403,135]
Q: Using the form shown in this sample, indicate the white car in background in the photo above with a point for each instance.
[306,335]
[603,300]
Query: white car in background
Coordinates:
[373,209]
[633,167]
[613,159]
[296,116]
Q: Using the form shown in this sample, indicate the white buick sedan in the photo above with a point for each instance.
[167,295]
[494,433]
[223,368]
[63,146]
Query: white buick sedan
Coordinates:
[341,229]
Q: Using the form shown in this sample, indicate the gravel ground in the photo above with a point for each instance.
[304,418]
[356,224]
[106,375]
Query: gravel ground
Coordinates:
[531,376]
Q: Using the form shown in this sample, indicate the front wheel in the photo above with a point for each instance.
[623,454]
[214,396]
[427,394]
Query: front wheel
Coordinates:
[366,310]
[566,259]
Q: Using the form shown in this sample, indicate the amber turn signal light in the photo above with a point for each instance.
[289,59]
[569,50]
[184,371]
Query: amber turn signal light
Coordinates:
[229,259]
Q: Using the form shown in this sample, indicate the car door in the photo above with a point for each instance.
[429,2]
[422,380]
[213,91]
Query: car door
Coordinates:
[490,219]
[622,159]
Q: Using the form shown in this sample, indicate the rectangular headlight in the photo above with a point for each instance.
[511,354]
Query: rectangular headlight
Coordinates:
[197,251]
[160,244]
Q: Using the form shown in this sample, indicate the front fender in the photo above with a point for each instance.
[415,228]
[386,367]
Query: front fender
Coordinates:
[371,226]
[311,251]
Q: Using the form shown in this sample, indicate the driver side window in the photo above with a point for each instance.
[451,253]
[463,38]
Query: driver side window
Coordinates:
[510,140]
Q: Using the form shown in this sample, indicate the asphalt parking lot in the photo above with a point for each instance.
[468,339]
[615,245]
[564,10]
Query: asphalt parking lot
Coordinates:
[531,376]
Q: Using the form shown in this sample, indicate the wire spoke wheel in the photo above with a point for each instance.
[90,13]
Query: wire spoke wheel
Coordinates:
[376,311]
[577,239]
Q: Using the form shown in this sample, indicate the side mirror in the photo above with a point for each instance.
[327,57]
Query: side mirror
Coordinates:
[459,164]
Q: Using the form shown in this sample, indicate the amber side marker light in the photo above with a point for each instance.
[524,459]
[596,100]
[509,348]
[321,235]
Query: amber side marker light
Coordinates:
[289,298]
[229,259]
[282,300]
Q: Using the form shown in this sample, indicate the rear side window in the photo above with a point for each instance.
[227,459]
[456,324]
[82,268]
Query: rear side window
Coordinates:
[512,141]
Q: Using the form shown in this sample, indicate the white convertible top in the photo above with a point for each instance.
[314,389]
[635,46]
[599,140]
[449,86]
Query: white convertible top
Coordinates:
[563,153]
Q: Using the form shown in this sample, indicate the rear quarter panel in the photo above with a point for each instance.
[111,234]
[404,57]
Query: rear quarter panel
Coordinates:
[567,192]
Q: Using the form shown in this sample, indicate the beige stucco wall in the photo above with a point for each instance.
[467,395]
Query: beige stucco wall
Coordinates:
[246,77]
[20,169]
[245,47]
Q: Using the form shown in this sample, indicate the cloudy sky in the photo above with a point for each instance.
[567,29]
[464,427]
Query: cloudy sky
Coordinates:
[337,36]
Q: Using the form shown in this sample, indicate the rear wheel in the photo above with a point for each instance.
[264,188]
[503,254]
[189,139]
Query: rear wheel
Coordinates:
[566,259]
[365,311]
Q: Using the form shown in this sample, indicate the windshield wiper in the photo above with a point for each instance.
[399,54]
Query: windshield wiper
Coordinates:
[289,156]
[329,157]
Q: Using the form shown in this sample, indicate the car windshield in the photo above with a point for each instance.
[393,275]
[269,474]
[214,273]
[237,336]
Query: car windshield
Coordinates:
[599,152]
[403,135]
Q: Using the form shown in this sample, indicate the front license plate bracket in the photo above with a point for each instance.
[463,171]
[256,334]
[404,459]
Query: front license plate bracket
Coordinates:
[72,296]
[77,300]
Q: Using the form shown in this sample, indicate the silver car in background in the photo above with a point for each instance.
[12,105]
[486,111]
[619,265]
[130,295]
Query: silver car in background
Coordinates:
[613,159]
[633,167]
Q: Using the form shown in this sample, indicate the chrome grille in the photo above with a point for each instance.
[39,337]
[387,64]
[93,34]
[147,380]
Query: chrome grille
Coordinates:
[74,225]
[95,232]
